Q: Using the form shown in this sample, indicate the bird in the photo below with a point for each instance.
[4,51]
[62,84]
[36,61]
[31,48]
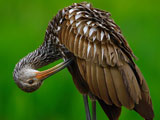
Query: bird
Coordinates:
[98,57]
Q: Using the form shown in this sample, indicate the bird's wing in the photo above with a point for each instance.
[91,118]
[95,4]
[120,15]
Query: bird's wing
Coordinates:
[92,35]
[103,56]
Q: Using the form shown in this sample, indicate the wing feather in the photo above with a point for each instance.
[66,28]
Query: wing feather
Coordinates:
[111,87]
[66,35]
[89,77]
[84,52]
[80,46]
[131,82]
[104,57]
[94,80]
[120,88]
[75,50]
[102,85]
[71,42]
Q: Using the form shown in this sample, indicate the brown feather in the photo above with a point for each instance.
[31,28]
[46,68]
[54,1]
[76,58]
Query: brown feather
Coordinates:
[130,82]
[94,80]
[84,51]
[105,59]
[71,42]
[78,80]
[120,88]
[144,108]
[82,67]
[80,46]
[102,85]
[62,33]
[113,112]
[66,35]
[111,87]
[89,77]
[76,44]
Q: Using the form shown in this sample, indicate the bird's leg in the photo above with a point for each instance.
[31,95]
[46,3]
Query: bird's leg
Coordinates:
[85,98]
[94,110]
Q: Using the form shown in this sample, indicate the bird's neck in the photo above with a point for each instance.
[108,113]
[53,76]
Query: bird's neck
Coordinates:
[50,50]
[44,55]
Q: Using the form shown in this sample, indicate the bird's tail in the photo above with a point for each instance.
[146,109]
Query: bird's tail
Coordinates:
[111,111]
[145,109]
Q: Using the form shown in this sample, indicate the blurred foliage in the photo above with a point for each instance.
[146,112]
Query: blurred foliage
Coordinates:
[22,29]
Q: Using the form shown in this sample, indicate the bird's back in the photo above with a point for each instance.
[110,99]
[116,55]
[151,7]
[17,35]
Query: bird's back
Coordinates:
[103,62]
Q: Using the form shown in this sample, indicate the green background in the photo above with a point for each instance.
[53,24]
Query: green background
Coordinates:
[22,29]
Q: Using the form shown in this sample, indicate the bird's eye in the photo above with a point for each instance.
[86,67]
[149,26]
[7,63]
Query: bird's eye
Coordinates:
[30,81]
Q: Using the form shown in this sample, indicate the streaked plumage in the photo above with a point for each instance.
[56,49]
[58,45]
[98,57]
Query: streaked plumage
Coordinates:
[103,65]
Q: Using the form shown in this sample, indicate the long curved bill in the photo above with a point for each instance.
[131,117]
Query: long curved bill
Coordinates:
[46,73]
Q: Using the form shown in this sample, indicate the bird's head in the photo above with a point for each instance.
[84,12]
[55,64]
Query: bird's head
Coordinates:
[29,79]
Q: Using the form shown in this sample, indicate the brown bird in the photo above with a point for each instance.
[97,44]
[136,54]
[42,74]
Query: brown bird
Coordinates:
[98,58]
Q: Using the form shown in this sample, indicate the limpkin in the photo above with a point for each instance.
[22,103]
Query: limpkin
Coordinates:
[98,58]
